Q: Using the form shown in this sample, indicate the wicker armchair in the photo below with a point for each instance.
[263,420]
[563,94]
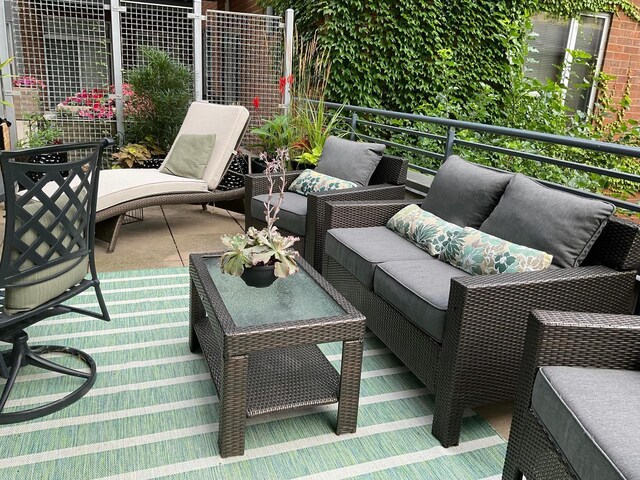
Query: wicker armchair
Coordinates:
[387,183]
[478,360]
[563,339]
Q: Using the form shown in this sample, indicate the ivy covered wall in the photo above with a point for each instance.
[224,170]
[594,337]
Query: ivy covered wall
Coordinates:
[407,55]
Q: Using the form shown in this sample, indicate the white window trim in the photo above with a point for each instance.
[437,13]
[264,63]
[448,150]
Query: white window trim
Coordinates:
[574,27]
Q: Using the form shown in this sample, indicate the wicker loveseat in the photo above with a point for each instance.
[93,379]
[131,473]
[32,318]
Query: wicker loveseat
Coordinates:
[462,335]
[576,413]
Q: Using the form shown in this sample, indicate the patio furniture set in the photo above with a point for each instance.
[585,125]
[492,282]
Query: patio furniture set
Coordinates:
[463,334]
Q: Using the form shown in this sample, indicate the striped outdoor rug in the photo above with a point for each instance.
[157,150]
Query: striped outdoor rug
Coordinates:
[153,411]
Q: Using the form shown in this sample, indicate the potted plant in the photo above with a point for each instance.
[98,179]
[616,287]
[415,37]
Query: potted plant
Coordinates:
[259,257]
[314,126]
[41,133]
[274,134]
[161,97]
[145,154]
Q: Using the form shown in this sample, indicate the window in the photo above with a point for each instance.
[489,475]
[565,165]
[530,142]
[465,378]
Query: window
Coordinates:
[552,59]
[75,52]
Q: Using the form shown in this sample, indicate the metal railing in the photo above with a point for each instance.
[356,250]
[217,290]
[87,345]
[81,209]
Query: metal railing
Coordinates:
[449,140]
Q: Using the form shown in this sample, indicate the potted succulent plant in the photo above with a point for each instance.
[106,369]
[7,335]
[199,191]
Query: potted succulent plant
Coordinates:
[259,257]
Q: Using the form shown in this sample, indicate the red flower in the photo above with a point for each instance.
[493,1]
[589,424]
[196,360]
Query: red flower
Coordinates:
[290,79]
[282,84]
[256,102]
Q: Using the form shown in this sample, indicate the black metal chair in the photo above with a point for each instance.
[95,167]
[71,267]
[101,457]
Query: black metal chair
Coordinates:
[48,250]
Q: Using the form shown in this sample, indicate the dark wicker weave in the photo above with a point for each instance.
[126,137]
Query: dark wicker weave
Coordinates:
[569,339]
[387,183]
[478,361]
[274,367]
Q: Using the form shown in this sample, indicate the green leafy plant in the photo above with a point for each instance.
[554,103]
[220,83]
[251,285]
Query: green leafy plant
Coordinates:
[274,134]
[372,68]
[5,64]
[162,95]
[314,125]
[266,246]
[40,133]
[135,154]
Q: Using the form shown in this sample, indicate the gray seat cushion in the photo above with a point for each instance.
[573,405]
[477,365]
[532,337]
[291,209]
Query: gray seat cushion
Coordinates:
[359,250]
[419,290]
[293,211]
[465,193]
[594,417]
[353,161]
[559,223]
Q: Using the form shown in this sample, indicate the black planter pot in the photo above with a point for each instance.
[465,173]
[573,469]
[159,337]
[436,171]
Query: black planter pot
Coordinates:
[295,165]
[257,165]
[46,158]
[153,163]
[234,178]
[260,276]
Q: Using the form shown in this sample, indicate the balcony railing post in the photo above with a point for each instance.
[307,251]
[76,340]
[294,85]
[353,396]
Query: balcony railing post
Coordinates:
[354,126]
[197,49]
[451,138]
[116,46]
[288,55]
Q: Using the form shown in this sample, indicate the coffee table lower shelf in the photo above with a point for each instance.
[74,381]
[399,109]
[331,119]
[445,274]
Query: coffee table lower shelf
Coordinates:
[279,380]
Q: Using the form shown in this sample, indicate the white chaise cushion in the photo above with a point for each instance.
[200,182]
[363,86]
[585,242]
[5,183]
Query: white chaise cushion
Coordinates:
[126,184]
[227,122]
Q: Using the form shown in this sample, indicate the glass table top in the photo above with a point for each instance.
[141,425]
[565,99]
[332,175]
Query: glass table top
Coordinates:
[297,297]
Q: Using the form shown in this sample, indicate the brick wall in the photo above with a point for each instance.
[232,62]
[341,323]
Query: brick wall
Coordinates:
[622,58]
[246,6]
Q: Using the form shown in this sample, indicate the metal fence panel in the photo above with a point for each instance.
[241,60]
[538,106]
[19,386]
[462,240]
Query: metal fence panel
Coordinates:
[66,70]
[165,27]
[245,62]
[61,65]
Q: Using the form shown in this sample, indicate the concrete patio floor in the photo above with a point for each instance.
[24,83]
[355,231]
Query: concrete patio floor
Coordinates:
[167,236]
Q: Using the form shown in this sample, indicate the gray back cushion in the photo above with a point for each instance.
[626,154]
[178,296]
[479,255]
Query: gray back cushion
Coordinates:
[465,193]
[559,223]
[353,161]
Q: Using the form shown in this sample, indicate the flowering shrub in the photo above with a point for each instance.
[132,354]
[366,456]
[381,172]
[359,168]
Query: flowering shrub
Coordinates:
[95,103]
[29,82]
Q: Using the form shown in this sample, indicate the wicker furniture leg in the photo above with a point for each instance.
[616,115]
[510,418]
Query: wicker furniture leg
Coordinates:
[233,411]
[108,231]
[196,314]
[447,417]
[349,386]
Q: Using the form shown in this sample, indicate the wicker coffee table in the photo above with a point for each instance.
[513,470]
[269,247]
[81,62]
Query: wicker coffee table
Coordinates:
[261,345]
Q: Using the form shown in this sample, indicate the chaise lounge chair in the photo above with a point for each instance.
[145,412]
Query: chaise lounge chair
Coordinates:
[123,190]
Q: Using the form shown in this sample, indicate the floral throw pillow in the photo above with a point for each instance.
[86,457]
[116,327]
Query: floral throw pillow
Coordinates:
[479,253]
[422,228]
[311,181]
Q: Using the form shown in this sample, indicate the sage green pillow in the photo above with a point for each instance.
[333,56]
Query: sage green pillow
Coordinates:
[422,228]
[479,253]
[189,156]
[311,181]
